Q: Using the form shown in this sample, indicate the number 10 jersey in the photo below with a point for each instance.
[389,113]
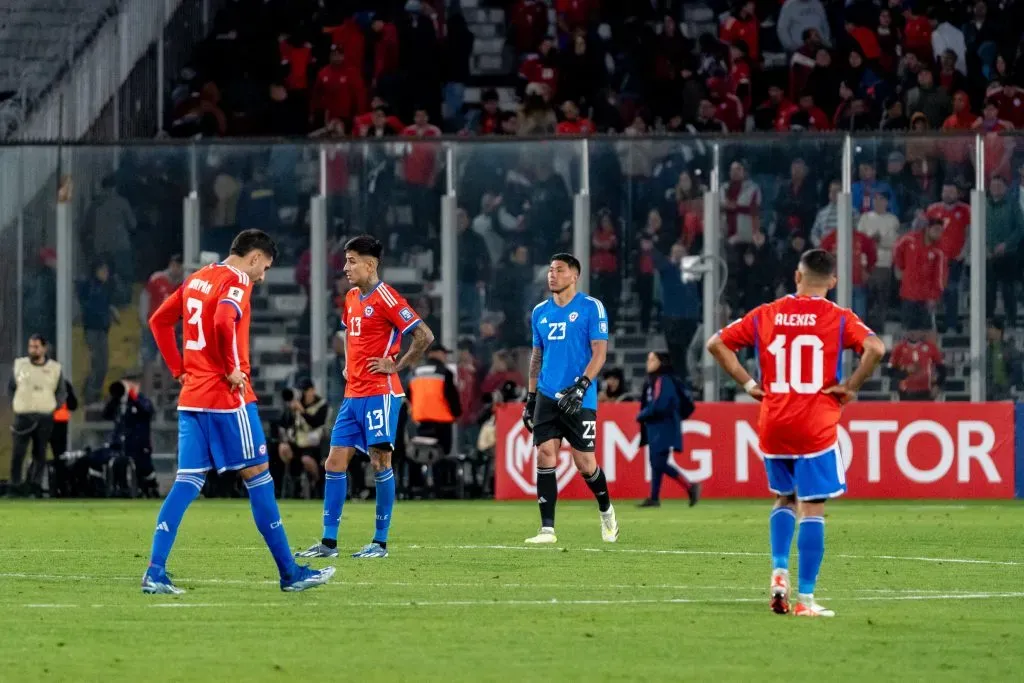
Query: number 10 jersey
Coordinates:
[798,343]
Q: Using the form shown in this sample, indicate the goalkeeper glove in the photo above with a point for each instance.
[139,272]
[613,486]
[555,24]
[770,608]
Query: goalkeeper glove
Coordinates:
[572,397]
[531,405]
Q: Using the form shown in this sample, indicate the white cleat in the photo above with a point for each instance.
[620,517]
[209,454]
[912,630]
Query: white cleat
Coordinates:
[609,526]
[779,600]
[546,535]
[807,607]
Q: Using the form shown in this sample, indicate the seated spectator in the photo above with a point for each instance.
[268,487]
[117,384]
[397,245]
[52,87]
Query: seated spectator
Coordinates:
[541,68]
[378,123]
[487,119]
[950,79]
[945,37]
[894,118]
[921,265]
[742,25]
[774,113]
[614,388]
[707,120]
[573,123]
[917,365]
[1005,371]
[728,108]
[808,117]
[805,57]
[934,102]
[1009,101]
[797,18]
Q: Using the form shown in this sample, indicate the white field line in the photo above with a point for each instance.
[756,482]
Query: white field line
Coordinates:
[550,602]
[637,551]
[424,584]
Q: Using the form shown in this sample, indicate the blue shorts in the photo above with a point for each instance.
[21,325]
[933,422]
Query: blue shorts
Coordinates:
[220,441]
[813,477]
[367,421]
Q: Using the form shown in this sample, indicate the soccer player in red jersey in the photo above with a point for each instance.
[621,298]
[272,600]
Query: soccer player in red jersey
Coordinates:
[799,340]
[218,423]
[375,319]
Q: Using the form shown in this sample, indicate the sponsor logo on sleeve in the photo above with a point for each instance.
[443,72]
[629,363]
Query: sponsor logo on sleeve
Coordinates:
[236,294]
[405,314]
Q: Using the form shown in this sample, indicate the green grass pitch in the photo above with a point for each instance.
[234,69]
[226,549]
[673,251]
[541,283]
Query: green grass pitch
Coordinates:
[922,591]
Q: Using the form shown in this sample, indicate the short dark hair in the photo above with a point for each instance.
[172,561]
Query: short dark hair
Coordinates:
[569,260]
[248,241]
[365,245]
[176,258]
[819,262]
[39,338]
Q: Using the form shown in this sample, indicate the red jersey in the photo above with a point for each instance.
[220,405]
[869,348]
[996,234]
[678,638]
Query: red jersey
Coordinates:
[213,304]
[158,289]
[799,342]
[374,324]
[339,92]
[533,70]
[421,162]
[924,267]
[299,59]
[920,361]
[865,254]
[748,31]
[1010,101]
[956,219]
[577,127]
[917,38]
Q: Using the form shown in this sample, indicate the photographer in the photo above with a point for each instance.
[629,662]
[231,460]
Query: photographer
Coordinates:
[300,432]
[130,440]
[38,389]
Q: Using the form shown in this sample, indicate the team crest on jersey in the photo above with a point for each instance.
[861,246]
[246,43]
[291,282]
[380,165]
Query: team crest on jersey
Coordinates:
[405,314]
[573,316]
[263,449]
[368,311]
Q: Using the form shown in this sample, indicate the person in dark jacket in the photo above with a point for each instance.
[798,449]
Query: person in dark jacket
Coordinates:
[681,304]
[96,298]
[664,404]
[132,414]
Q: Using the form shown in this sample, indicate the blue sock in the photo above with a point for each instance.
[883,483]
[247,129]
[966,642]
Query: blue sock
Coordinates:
[185,490]
[385,503]
[335,491]
[268,521]
[811,546]
[781,525]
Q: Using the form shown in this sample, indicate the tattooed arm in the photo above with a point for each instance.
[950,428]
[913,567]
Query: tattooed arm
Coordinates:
[535,361]
[422,338]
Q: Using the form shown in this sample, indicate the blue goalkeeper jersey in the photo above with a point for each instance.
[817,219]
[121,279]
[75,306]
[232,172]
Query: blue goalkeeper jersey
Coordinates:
[563,334]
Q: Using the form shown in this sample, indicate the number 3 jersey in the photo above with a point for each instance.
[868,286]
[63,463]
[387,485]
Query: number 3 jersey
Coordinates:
[798,342]
[213,306]
[374,325]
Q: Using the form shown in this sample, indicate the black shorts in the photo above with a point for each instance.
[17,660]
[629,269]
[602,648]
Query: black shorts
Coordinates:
[549,423]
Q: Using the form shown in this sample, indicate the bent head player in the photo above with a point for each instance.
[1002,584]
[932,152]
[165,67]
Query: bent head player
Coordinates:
[570,344]
[218,421]
[375,319]
[799,340]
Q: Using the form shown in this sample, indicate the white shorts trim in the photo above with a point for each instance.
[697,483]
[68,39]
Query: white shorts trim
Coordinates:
[823,451]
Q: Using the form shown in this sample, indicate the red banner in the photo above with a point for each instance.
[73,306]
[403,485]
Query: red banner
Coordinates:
[892,450]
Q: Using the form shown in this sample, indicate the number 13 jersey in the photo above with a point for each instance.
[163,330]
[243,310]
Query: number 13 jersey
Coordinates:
[798,342]
[209,353]
[374,325]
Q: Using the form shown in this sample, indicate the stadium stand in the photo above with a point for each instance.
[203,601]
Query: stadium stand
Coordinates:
[655,87]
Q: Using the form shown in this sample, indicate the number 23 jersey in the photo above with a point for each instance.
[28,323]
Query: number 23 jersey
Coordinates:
[798,341]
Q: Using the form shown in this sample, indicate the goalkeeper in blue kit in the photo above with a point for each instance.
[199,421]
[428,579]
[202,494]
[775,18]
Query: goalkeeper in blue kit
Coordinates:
[570,344]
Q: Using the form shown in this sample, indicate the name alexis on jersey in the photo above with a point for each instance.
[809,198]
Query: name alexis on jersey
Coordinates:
[796,319]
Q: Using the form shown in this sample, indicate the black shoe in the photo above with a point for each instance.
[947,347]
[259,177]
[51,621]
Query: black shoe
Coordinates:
[694,494]
[650,503]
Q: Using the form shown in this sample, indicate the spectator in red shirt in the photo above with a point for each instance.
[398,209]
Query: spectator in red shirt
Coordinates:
[486,120]
[865,258]
[604,264]
[351,41]
[160,285]
[529,23]
[1009,101]
[541,68]
[998,149]
[742,25]
[803,61]
[385,57]
[298,63]
[808,116]
[949,79]
[955,217]
[958,149]
[728,108]
[889,39]
[917,35]
[375,122]
[339,92]
[421,169]
[866,39]
[574,14]
[740,74]
[573,123]
[917,365]
[921,265]
[774,113]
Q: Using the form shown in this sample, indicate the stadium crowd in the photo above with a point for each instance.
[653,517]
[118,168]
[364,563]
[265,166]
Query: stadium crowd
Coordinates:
[391,73]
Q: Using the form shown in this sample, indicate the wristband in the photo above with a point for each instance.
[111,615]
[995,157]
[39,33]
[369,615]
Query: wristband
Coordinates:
[751,383]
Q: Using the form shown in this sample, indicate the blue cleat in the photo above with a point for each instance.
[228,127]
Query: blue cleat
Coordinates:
[157,582]
[306,578]
[370,551]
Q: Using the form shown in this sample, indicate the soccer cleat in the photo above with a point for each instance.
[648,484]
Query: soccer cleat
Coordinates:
[694,494]
[545,535]
[650,503]
[807,607]
[780,592]
[306,578]
[371,550]
[155,582]
[318,550]
[609,526]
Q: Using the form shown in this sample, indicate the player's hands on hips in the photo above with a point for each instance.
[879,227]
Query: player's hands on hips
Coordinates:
[182,378]
[528,410]
[753,390]
[385,366]
[572,397]
[841,392]
[237,379]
